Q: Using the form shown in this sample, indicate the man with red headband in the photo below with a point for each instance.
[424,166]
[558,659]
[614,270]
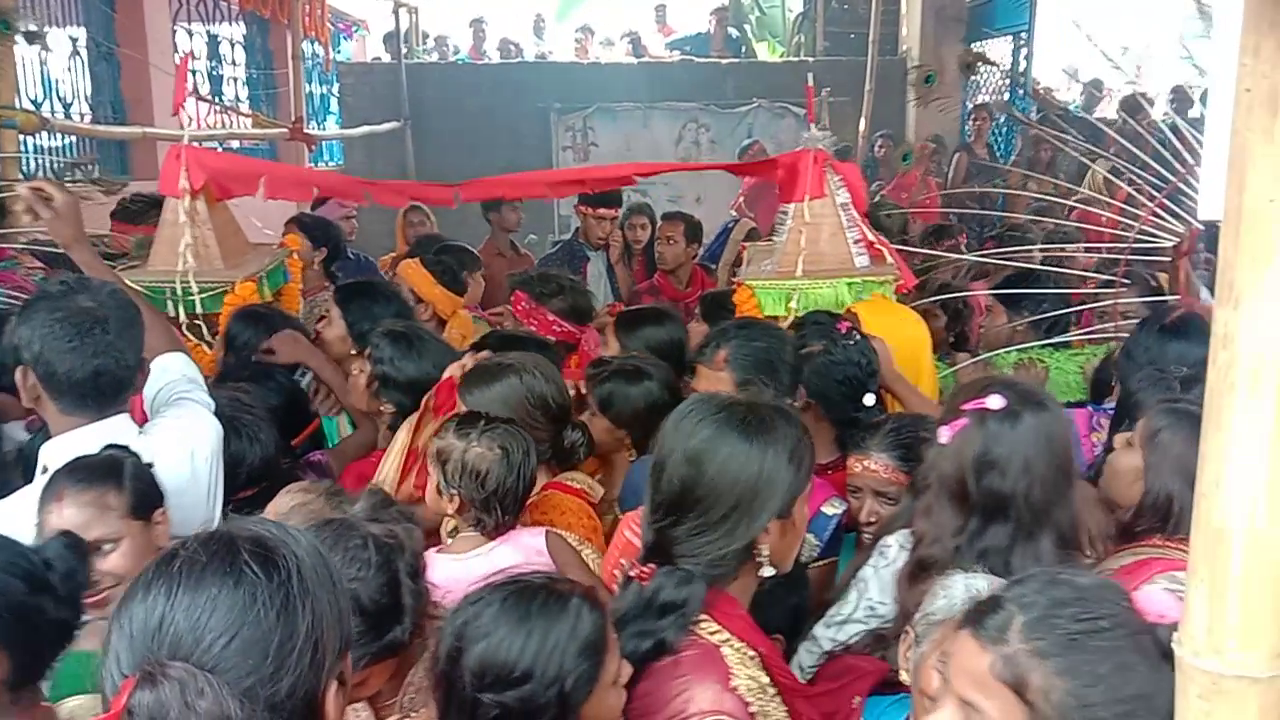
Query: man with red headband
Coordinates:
[593,252]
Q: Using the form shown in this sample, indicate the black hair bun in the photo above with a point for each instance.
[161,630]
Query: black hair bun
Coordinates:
[66,557]
[572,447]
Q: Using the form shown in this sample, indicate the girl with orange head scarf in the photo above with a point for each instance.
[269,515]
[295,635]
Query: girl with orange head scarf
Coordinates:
[438,289]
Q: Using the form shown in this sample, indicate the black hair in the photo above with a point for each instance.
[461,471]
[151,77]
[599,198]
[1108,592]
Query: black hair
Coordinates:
[1171,343]
[716,307]
[1068,643]
[692,232]
[635,394]
[445,271]
[1046,210]
[115,469]
[366,304]
[285,400]
[840,374]
[493,205]
[1023,305]
[529,390]
[521,341]
[323,234]
[1170,445]
[139,208]
[40,591]
[603,200]
[170,686]
[490,464]
[943,236]
[377,552]
[747,146]
[555,643]
[257,462]
[656,331]
[870,164]
[724,467]
[843,152]
[645,210]
[320,201]
[251,326]
[1000,494]
[406,360]
[1103,380]
[460,254]
[83,340]
[562,295]
[425,245]
[758,353]
[273,584]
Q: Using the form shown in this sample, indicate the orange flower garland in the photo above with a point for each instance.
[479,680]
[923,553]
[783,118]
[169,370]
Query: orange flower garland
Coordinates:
[244,293]
[203,357]
[289,296]
[745,302]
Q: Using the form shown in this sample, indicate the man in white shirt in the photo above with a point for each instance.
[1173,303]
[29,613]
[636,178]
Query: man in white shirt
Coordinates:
[80,345]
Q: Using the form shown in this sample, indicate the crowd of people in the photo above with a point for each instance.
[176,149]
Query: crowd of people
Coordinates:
[718,40]
[469,483]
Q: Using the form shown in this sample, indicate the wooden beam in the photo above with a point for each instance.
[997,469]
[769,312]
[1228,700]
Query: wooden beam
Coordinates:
[10,161]
[869,84]
[1228,643]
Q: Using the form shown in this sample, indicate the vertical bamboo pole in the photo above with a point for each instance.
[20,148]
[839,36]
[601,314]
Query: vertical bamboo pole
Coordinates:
[10,163]
[869,85]
[298,64]
[411,163]
[1228,645]
[819,28]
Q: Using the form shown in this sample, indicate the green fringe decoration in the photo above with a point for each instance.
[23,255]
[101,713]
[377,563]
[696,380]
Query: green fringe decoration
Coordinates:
[1066,365]
[793,298]
[209,301]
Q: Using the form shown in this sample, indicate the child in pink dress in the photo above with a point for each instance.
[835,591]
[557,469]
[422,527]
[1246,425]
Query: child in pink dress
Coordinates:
[481,471]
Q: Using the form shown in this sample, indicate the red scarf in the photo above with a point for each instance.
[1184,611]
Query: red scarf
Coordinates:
[686,298]
[556,329]
[838,690]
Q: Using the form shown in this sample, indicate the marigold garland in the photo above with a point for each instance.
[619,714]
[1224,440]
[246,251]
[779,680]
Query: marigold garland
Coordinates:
[203,357]
[745,303]
[244,293]
[289,296]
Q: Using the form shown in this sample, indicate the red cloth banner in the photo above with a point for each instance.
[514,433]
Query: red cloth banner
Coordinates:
[800,174]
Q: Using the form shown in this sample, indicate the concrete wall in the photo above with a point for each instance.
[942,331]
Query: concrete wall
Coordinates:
[477,120]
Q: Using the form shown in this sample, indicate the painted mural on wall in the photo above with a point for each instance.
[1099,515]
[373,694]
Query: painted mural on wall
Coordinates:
[682,132]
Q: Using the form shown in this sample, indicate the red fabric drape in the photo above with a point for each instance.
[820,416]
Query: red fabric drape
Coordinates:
[225,176]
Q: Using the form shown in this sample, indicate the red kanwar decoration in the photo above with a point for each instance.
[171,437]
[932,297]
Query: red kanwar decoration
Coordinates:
[225,176]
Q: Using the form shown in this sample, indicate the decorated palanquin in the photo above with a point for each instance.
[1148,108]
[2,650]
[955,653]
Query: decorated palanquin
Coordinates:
[201,268]
[823,254]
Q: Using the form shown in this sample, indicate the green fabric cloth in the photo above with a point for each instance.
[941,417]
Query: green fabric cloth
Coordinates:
[793,298]
[1067,381]
[336,428]
[75,673]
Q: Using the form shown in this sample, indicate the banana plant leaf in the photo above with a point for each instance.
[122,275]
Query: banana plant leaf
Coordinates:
[566,8]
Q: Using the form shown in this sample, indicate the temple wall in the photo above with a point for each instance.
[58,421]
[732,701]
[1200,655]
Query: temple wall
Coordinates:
[477,120]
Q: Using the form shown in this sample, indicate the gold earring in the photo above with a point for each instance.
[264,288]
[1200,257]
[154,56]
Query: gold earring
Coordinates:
[767,570]
[904,677]
[631,451]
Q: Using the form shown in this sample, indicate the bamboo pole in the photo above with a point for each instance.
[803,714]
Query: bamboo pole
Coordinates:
[411,163]
[819,28]
[1228,644]
[298,63]
[869,84]
[10,162]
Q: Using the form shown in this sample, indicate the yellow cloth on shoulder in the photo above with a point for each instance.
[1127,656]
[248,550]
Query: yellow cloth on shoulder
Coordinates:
[459,326]
[910,343]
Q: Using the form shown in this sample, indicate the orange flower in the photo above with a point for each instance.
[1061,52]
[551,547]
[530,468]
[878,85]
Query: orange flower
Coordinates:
[244,293]
[289,296]
[745,302]
[203,357]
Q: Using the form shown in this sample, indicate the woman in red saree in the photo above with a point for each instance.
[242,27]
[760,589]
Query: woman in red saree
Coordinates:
[1148,482]
[727,507]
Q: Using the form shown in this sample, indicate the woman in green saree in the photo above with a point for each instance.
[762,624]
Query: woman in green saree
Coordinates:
[113,501]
